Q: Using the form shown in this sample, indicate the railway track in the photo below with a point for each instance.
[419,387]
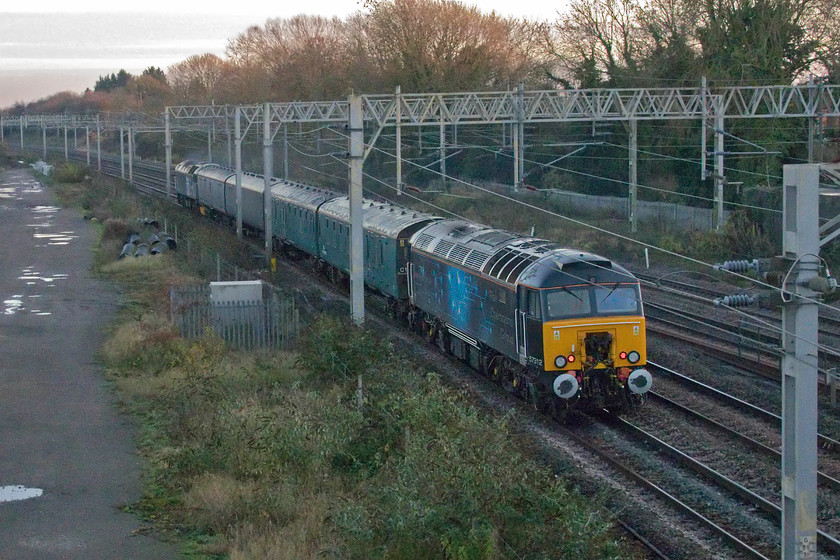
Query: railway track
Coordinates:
[771,418]
[829,319]
[749,344]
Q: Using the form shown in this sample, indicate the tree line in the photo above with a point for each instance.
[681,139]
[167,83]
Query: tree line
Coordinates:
[444,45]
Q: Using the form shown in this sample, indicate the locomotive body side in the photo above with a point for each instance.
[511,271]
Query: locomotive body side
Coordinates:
[185,183]
[210,181]
[457,299]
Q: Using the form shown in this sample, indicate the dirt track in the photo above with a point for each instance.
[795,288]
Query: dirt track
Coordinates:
[59,430]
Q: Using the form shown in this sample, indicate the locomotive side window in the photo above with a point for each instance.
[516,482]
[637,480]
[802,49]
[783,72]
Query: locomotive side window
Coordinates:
[568,302]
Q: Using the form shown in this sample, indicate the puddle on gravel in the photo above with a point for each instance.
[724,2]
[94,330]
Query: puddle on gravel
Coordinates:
[8,192]
[12,305]
[33,188]
[32,277]
[61,238]
[15,304]
[17,492]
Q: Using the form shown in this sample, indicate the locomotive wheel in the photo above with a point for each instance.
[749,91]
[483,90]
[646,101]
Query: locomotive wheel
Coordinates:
[538,397]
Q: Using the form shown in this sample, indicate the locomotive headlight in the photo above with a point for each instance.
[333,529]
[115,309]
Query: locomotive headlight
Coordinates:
[560,361]
[633,357]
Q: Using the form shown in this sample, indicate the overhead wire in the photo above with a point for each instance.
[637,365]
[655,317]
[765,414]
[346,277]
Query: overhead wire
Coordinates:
[615,234]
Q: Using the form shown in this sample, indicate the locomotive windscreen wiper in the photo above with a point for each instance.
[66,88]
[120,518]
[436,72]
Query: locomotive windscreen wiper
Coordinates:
[568,291]
[610,292]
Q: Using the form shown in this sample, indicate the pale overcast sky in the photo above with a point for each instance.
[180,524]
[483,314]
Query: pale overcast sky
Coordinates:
[56,45]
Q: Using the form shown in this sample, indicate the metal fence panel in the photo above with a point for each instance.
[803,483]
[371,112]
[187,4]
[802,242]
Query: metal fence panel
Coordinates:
[270,323]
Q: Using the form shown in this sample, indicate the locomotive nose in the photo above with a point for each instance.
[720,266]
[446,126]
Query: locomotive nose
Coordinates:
[639,381]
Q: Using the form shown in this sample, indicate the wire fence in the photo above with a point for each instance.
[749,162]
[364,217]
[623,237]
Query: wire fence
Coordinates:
[273,322]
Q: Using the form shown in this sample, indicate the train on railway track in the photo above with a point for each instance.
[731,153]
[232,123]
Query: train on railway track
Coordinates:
[563,328]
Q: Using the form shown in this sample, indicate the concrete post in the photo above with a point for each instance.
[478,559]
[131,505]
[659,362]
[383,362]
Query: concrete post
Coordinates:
[87,144]
[520,117]
[167,142]
[801,244]
[398,120]
[130,156]
[44,140]
[720,180]
[65,142]
[704,95]
[229,138]
[633,174]
[237,135]
[515,141]
[286,152]
[98,145]
[122,154]
[442,153]
[357,270]
[268,171]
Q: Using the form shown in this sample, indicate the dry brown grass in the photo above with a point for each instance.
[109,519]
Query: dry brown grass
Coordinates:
[306,537]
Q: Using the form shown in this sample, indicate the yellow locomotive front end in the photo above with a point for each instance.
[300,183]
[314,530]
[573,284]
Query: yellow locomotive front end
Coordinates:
[594,342]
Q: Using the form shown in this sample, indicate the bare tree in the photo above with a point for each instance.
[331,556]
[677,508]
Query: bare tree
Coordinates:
[197,78]
[443,45]
[302,57]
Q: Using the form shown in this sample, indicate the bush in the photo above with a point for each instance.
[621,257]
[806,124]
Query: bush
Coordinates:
[67,172]
[745,239]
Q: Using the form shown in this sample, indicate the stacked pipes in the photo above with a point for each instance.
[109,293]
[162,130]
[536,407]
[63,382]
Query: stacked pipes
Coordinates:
[155,243]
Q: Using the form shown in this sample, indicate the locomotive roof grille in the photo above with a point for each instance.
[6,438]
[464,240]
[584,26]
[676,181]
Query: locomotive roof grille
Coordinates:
[494,238]
[423,241]
[476,259]
[459,254]
[443,247]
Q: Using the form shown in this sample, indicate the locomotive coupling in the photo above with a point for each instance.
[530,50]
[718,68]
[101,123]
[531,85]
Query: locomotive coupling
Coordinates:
[639,381]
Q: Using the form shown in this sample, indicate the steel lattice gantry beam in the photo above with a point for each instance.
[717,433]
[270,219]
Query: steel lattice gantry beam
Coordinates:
[554,106]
